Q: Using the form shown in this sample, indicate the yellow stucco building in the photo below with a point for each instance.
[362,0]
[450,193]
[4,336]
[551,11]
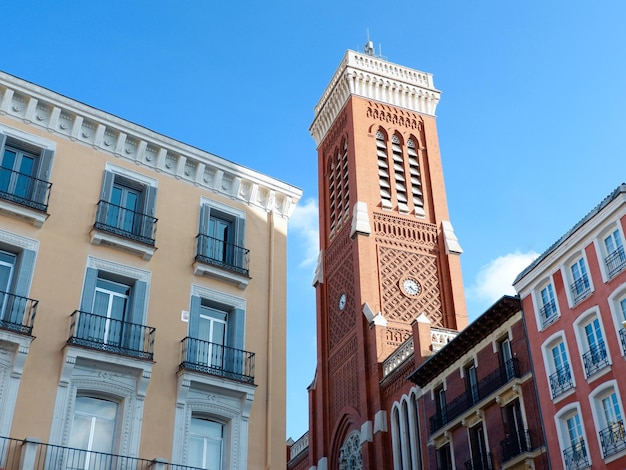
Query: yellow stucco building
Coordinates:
[142,295]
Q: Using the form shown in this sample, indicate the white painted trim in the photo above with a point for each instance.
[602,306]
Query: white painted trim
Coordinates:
[28,138]
[139,177]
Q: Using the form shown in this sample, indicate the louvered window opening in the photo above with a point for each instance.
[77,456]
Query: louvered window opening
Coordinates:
[383,171]
[338,189]
[416,179]
[398,169]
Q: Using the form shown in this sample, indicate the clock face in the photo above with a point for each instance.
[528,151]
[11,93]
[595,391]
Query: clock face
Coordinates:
[411,287]
[342,301]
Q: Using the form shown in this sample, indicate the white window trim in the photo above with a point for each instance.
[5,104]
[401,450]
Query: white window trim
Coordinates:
[598,243]
[546,352]
[585,317]
[559,418]
[28,138]
[205,201]
[130,174]
[610,385]
[616,314]
[568,280]
[537,302]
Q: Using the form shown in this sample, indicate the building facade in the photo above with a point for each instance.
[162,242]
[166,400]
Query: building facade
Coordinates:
[477,400]
[574,301]
[141,324]
[388,254]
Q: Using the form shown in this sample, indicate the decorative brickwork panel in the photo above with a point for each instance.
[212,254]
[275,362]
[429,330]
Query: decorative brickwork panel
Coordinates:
[340,280]
[344,378]
[405,233]
[397,336]
[395,264]
[395,116]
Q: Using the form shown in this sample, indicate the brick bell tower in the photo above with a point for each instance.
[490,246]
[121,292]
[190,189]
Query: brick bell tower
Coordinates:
[388,251]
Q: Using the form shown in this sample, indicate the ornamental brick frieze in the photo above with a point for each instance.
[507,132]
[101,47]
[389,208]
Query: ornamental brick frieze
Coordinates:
[395,265]
[395,382]
[337,359]
[337,131]
[344,378]
[403,232]
[395,116]
[397,336]
[339,249]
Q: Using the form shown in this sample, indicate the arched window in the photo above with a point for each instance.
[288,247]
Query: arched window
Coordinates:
[399,176]
[383,170]
[350,453]
[338,188]
[416,178]
[206,442]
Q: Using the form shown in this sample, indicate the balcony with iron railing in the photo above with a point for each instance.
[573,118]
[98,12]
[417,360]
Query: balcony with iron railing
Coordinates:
[216,359]
[548,313]
[125,223]
[615,262]
[613,438]
[17,313]
[622,337]
[561,381]
[23,189]
[31,454]
[595,359]
[580,289]
[480,462]
[576,456]
[515,444]
[113,336]
[222,254]
[484,388]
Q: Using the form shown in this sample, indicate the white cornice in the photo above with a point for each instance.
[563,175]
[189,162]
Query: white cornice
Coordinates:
[375,79]
[37,106]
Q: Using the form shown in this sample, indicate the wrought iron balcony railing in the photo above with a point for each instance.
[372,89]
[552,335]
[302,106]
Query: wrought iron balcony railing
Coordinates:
[110,335]
[24,189]
[125,223]
[470,397]
[576,456]
[580,289]
[480,462]
[615,262]
[622,337]
[595,359]
[613,438]
[515,444]
[220,253]
[17,313]
[548,313]
[561,381]
[217,359]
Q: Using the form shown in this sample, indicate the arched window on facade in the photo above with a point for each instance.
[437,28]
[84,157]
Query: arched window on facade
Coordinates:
[350,453]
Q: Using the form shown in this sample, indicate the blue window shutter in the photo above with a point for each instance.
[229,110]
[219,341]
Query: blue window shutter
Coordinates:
[236,325]
[194,316]
[24,272]
[149,211]
[241,232]
[3,140]
[107,185]
[202,243]
[138,303]
[89,290]
[45,164]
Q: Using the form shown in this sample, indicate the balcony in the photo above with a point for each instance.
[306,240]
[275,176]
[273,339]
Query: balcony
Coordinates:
[622,337]
[222,260]
[615,262]
[515,444]
[124,228]
[548,313]
[33,455]
[24,189]
[481,462]
[110,335]
[561,381]
[576,456]
[595,359]
[485,387]
[580,289]
[217,359]
[613,438]
[17,313]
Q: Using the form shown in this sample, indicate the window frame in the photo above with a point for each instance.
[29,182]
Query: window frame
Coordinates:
[603,254]
[580,324]
[565,443]
[550,367]
[568,277]
[618,315]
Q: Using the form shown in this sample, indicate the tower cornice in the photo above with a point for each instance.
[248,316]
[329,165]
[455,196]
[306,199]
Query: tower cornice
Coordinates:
[375,79]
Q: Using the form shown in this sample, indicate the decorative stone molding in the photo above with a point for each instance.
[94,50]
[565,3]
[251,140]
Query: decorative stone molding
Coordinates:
[452,243]
[117,268]
[318,278]
[107,133]
[219,297]
[473,419]
[375,79]
[366,433]
[360,220]
[380,421]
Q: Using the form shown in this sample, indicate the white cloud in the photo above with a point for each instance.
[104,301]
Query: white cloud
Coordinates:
[495,279]
[304,225]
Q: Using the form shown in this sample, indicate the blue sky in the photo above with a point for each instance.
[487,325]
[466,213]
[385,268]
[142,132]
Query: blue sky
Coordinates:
[531,119]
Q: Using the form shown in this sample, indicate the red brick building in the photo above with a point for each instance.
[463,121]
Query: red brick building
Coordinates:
[388,256]
[574,301]
[478,407]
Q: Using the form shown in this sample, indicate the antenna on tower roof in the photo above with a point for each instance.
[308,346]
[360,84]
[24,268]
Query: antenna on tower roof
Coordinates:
[368,48]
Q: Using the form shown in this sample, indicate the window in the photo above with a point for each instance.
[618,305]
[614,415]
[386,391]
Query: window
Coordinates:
[517,439]
[17,312]
[404,433]
[206,441]
[595,356]
[580,287]
[25,164]
[471,382]
[112,312]
[481,459]
[547,311]
[220,243]
[444,457]
[350,453]
[607,408]
[383,170]
[575,455]
[614,256]
[338,187]
[558,367]
[506,359]
[93,430]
